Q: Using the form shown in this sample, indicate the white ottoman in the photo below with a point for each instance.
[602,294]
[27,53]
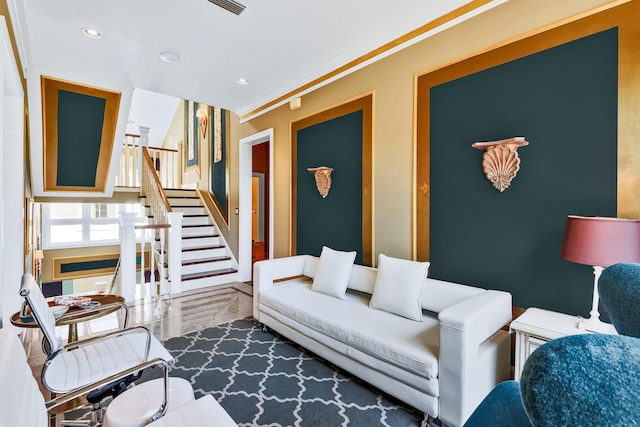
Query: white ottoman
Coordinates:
[134,407]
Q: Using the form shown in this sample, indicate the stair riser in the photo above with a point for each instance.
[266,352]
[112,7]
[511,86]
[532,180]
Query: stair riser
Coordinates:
[189,285]
[176,201]
[209,266]
[179,201]
[180,193]
[189,210]
[205,253]
[198,220]
[208,230]
[202,241]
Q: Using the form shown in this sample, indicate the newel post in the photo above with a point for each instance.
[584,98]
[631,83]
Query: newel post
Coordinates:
[175,251]
[143,142]
[128,255]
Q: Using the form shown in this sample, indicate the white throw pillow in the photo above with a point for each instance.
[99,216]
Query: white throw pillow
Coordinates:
[398,287]
[334,270]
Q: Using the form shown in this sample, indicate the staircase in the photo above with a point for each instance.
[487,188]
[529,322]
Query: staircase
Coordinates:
[206,260]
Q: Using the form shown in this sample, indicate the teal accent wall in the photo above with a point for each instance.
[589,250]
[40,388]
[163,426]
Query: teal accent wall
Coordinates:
[80,122]
[335,221]
[564,101]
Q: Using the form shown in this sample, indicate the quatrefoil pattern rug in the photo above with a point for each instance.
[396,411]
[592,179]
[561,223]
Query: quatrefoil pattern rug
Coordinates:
[262,379]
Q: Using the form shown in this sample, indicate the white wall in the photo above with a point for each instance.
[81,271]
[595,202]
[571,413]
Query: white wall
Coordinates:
[11,179]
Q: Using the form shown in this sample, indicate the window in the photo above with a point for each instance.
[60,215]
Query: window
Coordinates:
[82,224]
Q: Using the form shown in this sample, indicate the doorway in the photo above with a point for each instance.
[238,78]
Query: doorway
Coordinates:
[259,227]
[245,205]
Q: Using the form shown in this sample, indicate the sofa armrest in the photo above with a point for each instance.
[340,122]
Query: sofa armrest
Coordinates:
[266,272]
[464,327]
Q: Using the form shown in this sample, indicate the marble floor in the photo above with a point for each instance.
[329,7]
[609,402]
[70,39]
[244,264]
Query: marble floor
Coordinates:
[165,317]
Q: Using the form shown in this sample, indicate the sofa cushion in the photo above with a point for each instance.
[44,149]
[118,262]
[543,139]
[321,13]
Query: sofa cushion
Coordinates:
[398,287]
[413,346]
[334,269]
[410,345]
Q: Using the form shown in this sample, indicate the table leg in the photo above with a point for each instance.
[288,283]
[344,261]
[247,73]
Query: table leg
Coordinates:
[73,332]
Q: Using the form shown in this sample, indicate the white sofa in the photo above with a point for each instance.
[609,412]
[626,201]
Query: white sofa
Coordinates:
[443,366]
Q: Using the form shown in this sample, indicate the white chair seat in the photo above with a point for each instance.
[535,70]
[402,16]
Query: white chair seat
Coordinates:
[79,367]
[136,406]
[204,412]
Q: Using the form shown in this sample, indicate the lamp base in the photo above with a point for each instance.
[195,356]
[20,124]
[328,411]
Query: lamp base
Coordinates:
[597,326]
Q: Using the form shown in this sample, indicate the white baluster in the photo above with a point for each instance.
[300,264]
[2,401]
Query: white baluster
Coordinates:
[161,262]
[128,256]
[153,288]
[143,244]
[143,142]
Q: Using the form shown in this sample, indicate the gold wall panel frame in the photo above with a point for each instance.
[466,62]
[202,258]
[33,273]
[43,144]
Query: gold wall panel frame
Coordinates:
[50,87]
[364,103]
[56,263]
[626,17]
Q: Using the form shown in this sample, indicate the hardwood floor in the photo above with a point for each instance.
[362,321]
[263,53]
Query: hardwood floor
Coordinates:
[165,318]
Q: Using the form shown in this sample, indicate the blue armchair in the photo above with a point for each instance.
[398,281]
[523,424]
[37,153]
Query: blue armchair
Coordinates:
[619,289]
[579,380]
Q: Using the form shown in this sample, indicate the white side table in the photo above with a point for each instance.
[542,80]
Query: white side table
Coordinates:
[536,327]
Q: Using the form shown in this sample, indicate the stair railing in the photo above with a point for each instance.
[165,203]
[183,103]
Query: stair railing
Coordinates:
[155,236]
[161,220]
[166,161]
[151,188]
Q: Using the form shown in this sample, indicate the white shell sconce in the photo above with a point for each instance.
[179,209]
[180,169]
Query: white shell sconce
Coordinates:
[500,160]
[323,179]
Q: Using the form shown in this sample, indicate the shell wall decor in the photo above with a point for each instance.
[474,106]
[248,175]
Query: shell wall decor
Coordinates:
[500,160]
[323,179]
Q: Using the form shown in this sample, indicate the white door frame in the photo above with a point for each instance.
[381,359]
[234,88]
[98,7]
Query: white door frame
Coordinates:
[244,202]
[12,214]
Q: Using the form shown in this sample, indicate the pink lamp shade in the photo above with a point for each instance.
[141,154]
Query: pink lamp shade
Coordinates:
[599,241]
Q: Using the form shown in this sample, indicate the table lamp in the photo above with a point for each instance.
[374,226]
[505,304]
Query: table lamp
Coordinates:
[600,242]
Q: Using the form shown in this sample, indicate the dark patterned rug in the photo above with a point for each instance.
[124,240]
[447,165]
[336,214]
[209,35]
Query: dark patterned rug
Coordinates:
[263,379]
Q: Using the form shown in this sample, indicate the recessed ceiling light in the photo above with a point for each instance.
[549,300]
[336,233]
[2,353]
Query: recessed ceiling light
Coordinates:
[242,81]
[91,33]
[169,57]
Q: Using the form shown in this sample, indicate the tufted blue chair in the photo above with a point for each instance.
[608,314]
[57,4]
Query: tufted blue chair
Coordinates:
[580,379]
[619,289]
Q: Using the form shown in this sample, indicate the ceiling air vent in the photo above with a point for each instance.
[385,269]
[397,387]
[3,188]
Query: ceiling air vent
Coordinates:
[230,5]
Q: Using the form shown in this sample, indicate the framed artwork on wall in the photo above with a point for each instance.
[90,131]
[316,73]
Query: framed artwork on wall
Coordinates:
[197,131]
[219,159]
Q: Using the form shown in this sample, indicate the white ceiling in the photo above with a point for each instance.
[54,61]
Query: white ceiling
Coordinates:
[279,45]
[152,110]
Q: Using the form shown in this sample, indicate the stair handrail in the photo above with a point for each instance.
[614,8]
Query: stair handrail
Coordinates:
[151,188]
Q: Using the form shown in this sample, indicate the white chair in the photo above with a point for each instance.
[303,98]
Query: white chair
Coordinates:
[96,364]
[22,403]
